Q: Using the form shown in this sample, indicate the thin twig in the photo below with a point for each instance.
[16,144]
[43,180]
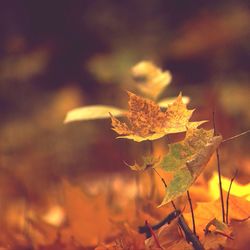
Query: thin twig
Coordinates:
[219,173]
[138,194]
[192,212]
[190,237]
[242,220]
[223,234]
[165,185]
[236,136]
[163,181]
[207,231]
[151,173]
[228,194]
[153,234]
[167,220]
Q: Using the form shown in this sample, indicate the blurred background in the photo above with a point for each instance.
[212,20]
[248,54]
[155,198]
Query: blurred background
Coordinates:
[59,55]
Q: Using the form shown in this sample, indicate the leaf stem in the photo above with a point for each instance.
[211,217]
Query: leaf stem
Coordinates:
[189,235]
[166,220]
[192,212]
[165,185]
[219,173]
[151,173]
[228,194]
[223,234]
[236,136]
[163,181]
[153,234]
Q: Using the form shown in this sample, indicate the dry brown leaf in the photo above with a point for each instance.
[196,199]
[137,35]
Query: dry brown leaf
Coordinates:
[213,241]
[240,234]
[128,239]
[181,244]
[167,235]
[205,211]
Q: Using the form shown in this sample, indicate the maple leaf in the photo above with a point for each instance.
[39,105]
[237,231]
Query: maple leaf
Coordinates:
[219,225]
[206,211]
[241,235]
[128,239]
[187,159]
[148,161]
[213,241]
[169,237]
[151,79]
[148,122]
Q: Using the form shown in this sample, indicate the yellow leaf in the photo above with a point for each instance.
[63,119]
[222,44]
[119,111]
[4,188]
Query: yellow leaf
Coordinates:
[151,79]
[164,103]
[92,113]
[148,122]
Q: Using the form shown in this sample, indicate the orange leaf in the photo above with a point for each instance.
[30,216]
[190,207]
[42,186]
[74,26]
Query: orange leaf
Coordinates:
[205,211]
[88,217]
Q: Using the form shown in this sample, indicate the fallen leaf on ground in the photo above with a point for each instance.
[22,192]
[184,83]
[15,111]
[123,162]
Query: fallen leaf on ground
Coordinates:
[205,211]
[88,217]
[213,241]
[240,234]
[128,239]
[167,235]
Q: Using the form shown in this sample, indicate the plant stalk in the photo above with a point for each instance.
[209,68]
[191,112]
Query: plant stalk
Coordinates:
[219,173]
[228,194]
[151,174]
[153,234]
[192,212]
[236,136]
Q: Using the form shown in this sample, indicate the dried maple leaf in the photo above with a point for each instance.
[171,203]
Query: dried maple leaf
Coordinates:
[148,122]
[128,239]
[219,225]
[187,159]
[240,234]
[148,161]
[168,236]
[205,211]
[213,241]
